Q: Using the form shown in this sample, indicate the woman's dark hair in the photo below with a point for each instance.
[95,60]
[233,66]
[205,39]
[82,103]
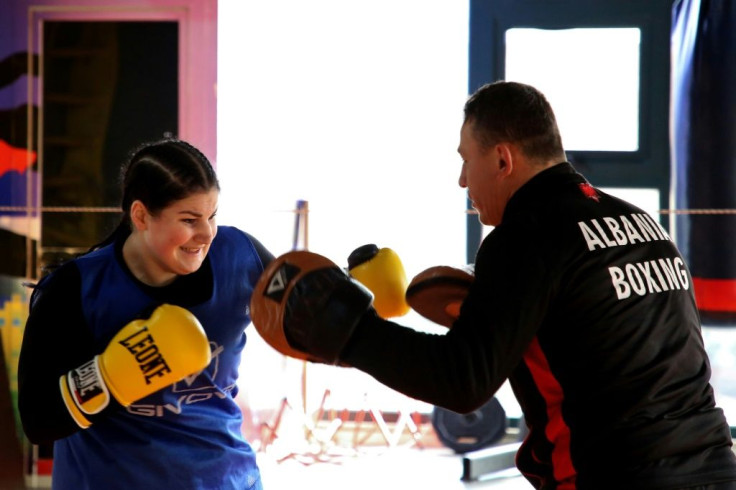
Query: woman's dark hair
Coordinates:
[159,173]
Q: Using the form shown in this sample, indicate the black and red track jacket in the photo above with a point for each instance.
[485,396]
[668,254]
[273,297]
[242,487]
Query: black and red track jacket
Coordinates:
[585,304]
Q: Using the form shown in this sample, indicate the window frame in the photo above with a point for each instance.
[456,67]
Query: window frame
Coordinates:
[649,165]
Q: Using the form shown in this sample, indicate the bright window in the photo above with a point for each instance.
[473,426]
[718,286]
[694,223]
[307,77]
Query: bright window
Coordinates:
[340,104]
[591,78]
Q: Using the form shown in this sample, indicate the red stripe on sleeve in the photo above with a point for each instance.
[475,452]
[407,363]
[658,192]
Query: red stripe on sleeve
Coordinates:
[557,431]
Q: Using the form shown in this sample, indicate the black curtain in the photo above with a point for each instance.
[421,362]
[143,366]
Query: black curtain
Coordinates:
[703,139]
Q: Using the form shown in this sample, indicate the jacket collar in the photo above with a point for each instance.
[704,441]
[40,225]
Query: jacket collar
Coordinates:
[543,185]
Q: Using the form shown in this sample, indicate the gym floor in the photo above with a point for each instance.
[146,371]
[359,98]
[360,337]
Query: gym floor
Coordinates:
[389,455]
[395,468]
[416,459]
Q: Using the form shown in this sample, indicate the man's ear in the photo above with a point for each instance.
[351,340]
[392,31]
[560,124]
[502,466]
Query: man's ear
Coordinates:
[505,158]
[138,215]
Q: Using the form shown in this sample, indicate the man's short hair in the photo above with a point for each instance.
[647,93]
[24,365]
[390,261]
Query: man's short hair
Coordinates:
[516,113]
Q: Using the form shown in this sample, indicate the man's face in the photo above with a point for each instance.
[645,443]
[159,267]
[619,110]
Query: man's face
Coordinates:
[483,175]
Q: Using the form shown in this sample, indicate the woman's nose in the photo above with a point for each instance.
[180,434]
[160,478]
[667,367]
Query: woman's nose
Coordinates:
[206,232]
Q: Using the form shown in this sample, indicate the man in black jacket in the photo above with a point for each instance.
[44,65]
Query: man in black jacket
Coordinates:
[580,299]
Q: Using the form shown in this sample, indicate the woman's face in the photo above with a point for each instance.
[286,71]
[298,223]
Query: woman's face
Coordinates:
[176,240]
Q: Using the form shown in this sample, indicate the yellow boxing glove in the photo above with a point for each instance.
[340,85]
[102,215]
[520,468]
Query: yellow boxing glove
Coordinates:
[143,357]
[381,271]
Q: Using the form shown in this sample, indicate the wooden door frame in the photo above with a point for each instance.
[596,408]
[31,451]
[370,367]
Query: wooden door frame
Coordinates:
[197,56]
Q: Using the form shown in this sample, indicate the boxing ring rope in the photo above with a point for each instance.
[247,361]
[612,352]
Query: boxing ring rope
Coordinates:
[59,209]
[697,211]
[667,211]
[298,233]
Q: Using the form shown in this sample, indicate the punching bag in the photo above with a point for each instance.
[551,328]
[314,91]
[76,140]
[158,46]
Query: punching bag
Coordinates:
[703,144]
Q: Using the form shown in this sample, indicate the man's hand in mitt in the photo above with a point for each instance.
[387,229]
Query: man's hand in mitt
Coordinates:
[438,292]
[306,307]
